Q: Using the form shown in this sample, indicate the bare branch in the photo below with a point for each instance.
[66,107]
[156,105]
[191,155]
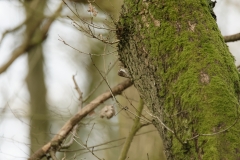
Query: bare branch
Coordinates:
[53,156]
[13,29]
[89,133]
[160,122]
[79,92]
[134,107]
[232,38]
[88,149]
[105,143]
[140,117]
[136,126]
[75,128]
[15,54]
[100,82]
[71,136]
[100,38]
[85,22]
[100,149]
[27,42]
[64,131]
[104,78]
[64,42]
[88,27]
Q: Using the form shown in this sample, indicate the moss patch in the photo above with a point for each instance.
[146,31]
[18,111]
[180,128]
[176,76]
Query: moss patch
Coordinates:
[193,73]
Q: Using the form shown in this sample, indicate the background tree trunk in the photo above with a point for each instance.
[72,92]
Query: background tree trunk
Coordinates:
[35,80]
[185,74]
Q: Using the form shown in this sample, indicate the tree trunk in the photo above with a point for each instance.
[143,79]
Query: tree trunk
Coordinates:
[186,75]
[39,121]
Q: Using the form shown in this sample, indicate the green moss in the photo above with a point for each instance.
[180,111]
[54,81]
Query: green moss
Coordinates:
[199,83]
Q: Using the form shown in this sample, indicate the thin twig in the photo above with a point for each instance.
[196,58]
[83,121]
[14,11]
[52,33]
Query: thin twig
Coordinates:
[87,149]
[100,149]
[71,136]
[64,42]
[136,126]
[89,31]
[53,156]
[80,99]
[99,84]
[103,79]
[13,29]
[160,121]
[105,143]
[89,133]
[134,107]
[64,131]
[123,108]
[101,39]
[15,54]
[92,25]
[146,120]
[75,128]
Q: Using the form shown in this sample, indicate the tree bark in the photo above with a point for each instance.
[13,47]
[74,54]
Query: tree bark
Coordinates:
[186,75]
[39,121]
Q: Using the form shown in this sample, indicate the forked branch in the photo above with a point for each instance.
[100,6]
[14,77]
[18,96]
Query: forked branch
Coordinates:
[57,140]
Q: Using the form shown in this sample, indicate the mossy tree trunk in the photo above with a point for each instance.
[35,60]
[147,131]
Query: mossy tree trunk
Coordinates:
[186,75]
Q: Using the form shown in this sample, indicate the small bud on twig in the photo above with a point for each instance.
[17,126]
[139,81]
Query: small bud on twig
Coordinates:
[107,111]
[123,73]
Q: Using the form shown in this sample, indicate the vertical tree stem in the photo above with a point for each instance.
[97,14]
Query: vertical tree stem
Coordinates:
[136,126]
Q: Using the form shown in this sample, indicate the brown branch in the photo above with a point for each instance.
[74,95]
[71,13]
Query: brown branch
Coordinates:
[15,54]
[13,29]
[27,42]
[72,135]
[79,92]
[52,153]
[232,38]
[64,131]
[75,128]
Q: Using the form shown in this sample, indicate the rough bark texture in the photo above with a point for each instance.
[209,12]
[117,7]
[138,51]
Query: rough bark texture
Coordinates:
[185,74]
